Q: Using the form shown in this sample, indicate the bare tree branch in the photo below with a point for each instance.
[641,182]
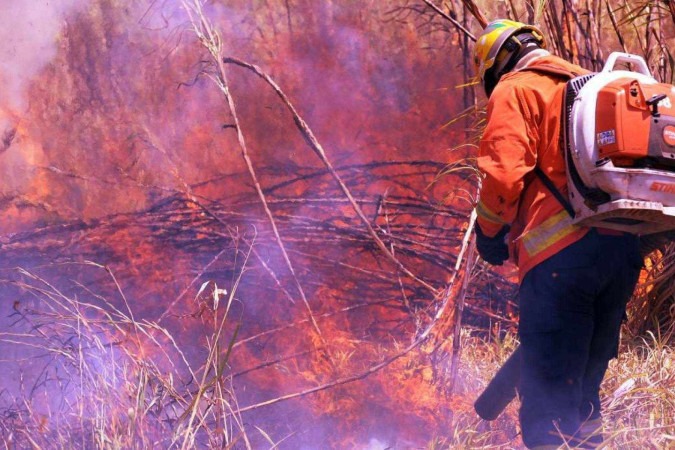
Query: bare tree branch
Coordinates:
[446,16]
[318,149]
[476,12]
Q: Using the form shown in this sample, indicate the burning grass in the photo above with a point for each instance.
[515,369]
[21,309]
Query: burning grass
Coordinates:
[94,365]
[109,380]
[148,338]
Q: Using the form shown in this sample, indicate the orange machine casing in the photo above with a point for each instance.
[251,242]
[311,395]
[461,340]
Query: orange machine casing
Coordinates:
[622,122]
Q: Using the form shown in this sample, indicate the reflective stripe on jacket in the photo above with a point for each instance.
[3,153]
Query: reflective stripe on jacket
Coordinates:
[523,130]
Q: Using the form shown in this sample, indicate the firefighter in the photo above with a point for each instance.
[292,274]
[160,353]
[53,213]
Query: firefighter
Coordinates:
[574,281]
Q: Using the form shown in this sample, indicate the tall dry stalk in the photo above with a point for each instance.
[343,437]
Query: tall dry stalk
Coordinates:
[210,39]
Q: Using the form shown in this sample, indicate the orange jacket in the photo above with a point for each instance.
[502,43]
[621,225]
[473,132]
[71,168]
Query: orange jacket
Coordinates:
[523,130]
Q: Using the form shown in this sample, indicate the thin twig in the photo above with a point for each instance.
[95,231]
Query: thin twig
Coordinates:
[615,25]
[459,312]
[449,18]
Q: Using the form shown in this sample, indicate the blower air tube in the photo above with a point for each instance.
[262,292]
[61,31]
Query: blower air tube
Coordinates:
[501,389]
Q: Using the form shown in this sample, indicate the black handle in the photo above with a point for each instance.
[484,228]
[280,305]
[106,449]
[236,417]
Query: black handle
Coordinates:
[654,104]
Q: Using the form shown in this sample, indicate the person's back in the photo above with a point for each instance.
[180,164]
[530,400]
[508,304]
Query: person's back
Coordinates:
[524,119]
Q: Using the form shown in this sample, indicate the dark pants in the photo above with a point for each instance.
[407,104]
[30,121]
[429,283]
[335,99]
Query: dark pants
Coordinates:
[571,309]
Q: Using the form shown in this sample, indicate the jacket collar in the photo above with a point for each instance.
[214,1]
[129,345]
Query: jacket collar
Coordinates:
[528,59]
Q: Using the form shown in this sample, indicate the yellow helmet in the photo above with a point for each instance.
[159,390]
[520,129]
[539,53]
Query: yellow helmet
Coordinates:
[498,41]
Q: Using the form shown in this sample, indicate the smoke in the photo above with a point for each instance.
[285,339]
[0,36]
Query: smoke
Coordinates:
[375,444]
[29,33]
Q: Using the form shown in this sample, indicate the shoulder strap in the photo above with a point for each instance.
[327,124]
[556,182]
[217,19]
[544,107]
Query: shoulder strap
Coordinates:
[566,73]
[554,190]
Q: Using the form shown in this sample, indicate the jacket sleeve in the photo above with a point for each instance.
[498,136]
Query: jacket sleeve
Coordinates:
[507,152]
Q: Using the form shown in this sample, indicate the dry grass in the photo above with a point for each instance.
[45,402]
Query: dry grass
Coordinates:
[638,393]
[107,380]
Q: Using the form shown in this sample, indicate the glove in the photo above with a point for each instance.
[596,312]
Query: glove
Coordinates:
[493,249]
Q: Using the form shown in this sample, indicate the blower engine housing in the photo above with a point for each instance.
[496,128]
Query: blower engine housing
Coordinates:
[619,144]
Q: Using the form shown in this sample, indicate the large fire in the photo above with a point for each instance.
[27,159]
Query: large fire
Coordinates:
[144,290]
